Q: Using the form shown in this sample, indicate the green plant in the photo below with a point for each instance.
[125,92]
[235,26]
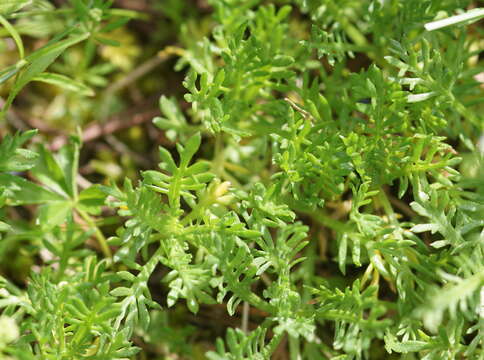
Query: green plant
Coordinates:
[334,209]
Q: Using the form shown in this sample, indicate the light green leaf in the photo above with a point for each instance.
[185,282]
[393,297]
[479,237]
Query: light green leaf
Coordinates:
[467,17]
[54,213]
[21,191]
[11,71]
[404,346]
[191,148]
[49,172]
[38,62]
[121,291]
[11,6]
[15,35]
[4,226]
[64,82]
[91,200]
[68,160]
[12,157]
[413,98]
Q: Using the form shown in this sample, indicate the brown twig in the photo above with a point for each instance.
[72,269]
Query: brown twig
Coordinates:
[402,206]
[137,73]
[116,123]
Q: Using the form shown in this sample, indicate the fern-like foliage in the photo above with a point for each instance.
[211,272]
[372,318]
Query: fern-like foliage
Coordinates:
[322,183]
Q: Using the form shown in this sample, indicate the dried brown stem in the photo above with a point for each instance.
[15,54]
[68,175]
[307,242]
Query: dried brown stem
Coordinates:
[114,124]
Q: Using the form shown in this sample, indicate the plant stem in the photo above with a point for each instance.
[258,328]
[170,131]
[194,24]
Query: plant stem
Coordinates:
[327,221]
[218,158]
[99,235]
[272,346]
[245,317]
[294,345]
[387,206]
